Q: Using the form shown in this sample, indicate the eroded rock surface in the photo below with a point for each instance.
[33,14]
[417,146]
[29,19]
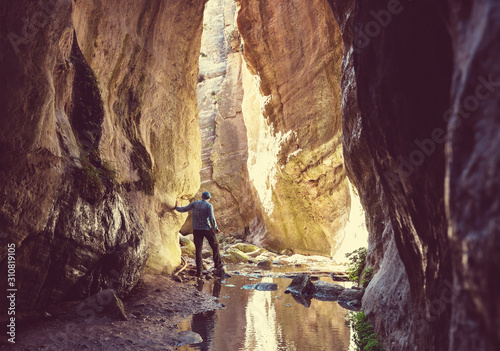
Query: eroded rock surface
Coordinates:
[224,135]
[292,113]
[430,217]
[98,137]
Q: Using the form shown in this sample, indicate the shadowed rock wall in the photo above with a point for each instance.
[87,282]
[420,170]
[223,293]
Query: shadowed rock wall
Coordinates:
[419,77]
[98,137]
[472,181]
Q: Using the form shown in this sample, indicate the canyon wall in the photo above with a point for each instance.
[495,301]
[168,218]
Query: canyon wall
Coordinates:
[224,135]
[420,104]
[472,184]
[291,108]
[99,136]
[405,212]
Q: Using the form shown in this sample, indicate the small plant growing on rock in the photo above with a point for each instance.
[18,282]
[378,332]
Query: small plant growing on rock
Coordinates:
[357,263]
[365,337]
[367,277]
[92,179]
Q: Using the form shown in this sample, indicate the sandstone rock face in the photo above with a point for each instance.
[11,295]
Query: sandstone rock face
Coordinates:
[146,61]
[224,135]
[431,214]
[292,111]
[99,135]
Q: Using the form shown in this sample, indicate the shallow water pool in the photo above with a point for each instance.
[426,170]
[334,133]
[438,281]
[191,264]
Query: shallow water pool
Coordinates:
[266,320]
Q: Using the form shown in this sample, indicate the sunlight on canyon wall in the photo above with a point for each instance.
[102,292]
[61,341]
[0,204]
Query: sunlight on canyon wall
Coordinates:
[264,143]
[355,232]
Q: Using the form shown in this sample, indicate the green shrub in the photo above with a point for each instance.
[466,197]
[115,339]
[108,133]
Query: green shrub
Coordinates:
[357,263]
[365,337]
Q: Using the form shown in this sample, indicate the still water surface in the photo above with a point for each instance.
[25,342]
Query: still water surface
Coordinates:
[266,320]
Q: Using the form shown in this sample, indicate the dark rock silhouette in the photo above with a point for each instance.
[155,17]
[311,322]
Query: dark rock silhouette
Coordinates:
[419,78]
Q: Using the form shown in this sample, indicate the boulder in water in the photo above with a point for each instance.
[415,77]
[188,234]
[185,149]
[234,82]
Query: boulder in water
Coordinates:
[326,291]
[351,299]
[301,285]
[189,337]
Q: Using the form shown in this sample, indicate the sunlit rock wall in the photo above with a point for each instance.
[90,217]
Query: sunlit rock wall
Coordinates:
[146,61]
[420,122]
[292,112]
[99,135]
[224,136]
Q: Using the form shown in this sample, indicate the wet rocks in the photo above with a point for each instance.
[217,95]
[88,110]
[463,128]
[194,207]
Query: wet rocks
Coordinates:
[206,252]
[351,299]
[301,284]
[326,291]
[261,287]
[339,276]
[303,290]
[187,337]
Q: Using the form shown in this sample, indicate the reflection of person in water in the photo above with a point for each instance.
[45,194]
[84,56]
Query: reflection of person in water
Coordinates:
[204,323]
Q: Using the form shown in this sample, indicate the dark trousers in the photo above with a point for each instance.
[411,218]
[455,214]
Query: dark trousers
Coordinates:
[198,243]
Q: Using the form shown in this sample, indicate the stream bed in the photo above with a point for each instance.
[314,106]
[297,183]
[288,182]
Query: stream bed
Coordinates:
[266,320]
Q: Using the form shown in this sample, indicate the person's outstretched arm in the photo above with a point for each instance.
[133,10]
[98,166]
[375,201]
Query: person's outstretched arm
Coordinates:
[183,209]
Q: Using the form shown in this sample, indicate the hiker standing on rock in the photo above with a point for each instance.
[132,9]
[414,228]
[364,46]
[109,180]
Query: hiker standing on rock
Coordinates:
[204,226]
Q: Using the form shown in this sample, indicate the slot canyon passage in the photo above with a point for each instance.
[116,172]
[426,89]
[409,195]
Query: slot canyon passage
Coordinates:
[291,113]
